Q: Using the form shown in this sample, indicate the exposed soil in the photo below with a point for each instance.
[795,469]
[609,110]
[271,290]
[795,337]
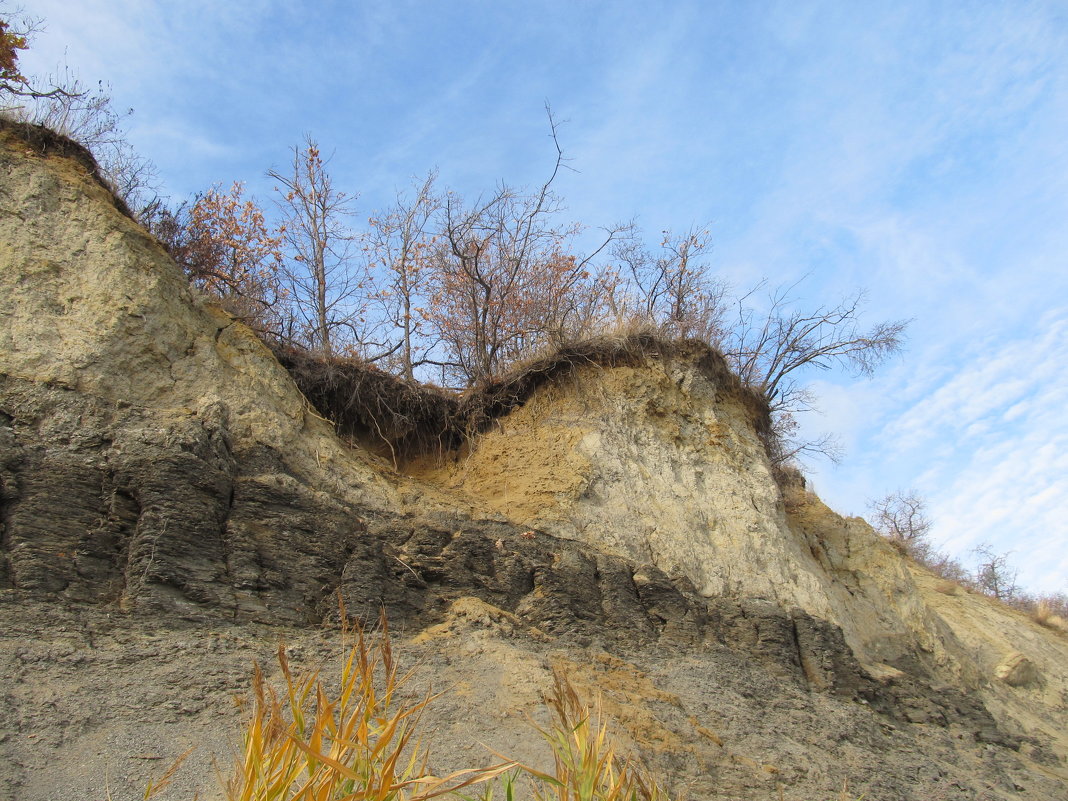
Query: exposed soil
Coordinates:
[97,703]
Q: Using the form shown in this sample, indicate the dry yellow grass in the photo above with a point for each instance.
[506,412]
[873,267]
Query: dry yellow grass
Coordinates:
[358,744]
[361,743]
[586,765]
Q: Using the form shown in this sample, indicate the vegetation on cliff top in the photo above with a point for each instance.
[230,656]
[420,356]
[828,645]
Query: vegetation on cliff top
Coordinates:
[452,289]
[902,518]
[384,412]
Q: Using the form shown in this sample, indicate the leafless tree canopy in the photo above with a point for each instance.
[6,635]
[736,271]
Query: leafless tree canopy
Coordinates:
[400,271]
[994,575]
[507,282]
[902,517]
[671,289]
[440,287]
[768,349]
[326,294]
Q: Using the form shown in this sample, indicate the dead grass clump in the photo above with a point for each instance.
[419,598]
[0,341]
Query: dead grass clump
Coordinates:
[1050,611]
[1056,622]
[363,742]
[358,743]
[586,766]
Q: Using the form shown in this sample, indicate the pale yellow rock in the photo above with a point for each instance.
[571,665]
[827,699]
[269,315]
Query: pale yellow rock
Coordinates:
[1017,671]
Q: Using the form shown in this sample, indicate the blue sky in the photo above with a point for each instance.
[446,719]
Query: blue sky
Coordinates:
[917,150]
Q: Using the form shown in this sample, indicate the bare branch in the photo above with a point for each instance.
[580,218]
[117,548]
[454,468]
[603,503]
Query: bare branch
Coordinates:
[326,292]
[16,33]
[789,340]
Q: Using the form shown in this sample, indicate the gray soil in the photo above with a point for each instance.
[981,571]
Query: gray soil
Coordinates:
[98,703]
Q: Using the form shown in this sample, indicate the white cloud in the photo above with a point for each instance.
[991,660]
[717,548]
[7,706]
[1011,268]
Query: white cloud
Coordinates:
[987,443]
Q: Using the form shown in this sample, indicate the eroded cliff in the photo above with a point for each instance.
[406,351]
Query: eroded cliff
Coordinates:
[171,504]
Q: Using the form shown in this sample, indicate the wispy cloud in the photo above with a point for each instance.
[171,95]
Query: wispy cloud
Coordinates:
[984,437]
[998,377]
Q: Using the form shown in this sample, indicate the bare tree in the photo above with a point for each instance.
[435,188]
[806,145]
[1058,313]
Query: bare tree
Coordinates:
[671,290]
[767,349]
[170,226]
[326,297]
[506,283]
[786,447]
[574,301]
[89,118]
[901,517]
[402,259]
[994,575]
[476,308]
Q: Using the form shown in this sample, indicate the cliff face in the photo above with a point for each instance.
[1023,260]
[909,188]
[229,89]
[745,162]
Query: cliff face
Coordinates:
[169,501]
[154,450]
[662,465]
